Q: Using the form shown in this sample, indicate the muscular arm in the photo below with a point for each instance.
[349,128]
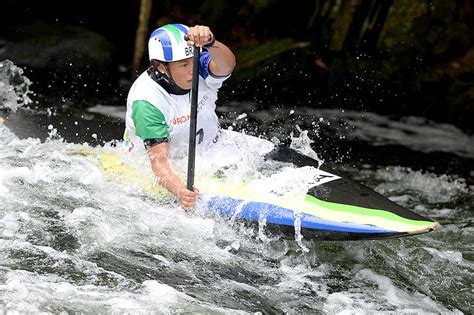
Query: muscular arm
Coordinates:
[222,59]
[158,155]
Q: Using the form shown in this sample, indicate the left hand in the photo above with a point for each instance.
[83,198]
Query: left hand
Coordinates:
[200,35]
[188,198]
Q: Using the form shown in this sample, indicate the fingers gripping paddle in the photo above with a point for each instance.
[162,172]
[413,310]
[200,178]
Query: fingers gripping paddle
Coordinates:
[193,121]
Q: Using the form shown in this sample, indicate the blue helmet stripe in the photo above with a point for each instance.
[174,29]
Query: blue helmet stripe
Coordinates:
[165,43]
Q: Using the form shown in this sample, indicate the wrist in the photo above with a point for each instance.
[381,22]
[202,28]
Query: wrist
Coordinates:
[211,43]
[172,183]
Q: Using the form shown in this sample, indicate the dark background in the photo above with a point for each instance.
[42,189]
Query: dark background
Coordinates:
[391,57]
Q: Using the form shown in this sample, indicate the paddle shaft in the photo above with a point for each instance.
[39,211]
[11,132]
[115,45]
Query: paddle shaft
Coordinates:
[193,121]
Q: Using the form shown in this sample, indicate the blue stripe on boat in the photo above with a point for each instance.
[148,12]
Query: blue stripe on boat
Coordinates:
[254,211]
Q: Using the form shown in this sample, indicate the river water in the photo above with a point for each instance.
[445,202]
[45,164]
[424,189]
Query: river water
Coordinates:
[73,240]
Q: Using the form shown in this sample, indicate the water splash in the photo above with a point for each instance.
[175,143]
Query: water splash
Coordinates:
[298,235]
[302,144]
[434,188]
[262,224]
[14,86]
[237,211]
[73,240]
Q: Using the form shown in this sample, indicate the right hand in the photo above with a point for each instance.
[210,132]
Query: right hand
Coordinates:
[199,35]
[187,198]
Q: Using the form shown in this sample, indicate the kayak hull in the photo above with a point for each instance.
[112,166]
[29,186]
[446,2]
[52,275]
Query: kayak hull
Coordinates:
[335,208]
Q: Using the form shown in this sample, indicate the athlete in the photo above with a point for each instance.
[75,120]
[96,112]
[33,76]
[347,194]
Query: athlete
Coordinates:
[158,103]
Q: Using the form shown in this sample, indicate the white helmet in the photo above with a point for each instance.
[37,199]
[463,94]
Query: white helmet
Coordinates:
[167,43]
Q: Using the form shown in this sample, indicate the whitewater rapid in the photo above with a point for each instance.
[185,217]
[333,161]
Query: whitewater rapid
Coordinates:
[74,240]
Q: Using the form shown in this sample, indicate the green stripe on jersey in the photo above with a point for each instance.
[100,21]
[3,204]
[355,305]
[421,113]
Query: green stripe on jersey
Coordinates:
[149,121]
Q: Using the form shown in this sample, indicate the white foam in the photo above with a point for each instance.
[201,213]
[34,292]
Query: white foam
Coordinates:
[298,277]
[108,110]
[6,137]
[385,297]
[394,296]
[14,86]
[66,197]
[29,292]
[340,303]
[302,144]
[163,293]
[454,257]
[416,133]
[10,224]
[111,219]
[436,188]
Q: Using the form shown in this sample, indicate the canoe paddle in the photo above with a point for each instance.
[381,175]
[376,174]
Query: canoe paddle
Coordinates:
[193,121]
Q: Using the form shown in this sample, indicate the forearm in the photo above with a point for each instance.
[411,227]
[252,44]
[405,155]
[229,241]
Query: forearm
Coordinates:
[158,155]
[223,59]
[166,177]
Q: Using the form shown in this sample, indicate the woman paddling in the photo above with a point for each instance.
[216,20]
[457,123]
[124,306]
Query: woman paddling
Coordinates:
[158,103]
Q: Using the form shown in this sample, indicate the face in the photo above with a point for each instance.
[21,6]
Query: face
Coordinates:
[182,72]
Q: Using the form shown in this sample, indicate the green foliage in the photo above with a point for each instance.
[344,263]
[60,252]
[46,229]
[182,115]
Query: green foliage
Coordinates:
[341,24]
[249,57]
[406,23]
[42,43]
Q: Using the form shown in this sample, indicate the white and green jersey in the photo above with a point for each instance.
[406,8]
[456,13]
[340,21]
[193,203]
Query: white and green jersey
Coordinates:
[153,113]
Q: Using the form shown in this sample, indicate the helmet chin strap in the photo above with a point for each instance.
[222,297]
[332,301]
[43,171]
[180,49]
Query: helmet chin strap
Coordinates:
[167,74]
[165,80]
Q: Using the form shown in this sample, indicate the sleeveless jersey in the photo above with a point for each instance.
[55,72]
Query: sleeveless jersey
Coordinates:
[154,113]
